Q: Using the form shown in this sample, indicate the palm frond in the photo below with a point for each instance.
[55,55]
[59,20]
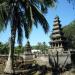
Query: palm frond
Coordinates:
[20,35]
[49,3]
[29,16]
[43,8]
[27,30]
[1,27]
[4,15]
[17,23]
[38,17]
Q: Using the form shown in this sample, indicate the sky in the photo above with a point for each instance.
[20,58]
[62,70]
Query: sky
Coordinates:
[66,14]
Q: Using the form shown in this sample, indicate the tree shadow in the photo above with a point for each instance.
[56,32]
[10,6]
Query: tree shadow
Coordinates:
[34,69]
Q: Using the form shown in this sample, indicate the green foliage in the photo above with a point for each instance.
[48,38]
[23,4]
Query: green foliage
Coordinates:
[19,50]
[41,46]
[22,14]
[4,48]
[69,33]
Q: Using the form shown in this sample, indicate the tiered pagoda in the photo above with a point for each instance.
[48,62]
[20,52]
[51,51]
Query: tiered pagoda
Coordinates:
[58,41]
[28,56]
[27,48]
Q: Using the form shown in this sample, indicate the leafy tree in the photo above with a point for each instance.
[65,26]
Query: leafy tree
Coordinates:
[4,48]
[19,50]
[41,46]
[69,33]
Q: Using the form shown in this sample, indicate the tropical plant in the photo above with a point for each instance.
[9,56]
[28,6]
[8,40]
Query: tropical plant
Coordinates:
[22,14]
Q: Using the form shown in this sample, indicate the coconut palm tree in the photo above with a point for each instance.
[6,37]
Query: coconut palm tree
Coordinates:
[22,14]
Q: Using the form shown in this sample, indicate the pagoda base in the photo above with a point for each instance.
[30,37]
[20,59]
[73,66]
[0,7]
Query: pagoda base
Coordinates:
[28,58]
[56,49]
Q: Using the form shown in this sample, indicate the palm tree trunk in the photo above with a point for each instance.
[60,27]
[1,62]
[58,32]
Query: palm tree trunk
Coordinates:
[10,62]
[9,66]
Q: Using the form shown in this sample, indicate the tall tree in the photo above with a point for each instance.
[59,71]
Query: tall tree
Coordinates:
[69,33]
[22,14]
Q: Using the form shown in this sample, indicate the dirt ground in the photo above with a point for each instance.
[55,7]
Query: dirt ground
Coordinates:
[36,73]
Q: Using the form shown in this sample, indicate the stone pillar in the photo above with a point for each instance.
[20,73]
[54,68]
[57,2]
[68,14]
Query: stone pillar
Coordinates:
[58,45]
[55,45]
[61,44]
[52,45]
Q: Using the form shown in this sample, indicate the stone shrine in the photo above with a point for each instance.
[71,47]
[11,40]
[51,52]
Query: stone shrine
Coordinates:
[28,56]
[58,42]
